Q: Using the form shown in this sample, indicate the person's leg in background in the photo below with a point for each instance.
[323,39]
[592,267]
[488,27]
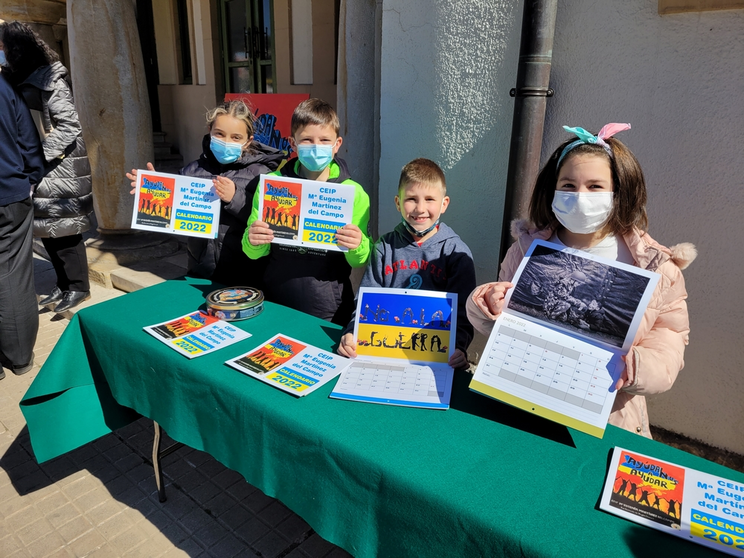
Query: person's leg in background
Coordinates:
[67,254]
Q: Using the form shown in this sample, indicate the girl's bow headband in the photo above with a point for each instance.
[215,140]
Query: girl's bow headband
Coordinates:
[607,131]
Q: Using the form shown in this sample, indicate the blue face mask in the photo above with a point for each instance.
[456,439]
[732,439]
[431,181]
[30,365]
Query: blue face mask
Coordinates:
[315,157]
[3,61]
[225,151]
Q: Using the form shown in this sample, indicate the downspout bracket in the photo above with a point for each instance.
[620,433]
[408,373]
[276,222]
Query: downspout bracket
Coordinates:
[531,92]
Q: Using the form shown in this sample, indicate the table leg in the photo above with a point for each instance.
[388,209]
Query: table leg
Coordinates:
[156,462]
[157,455]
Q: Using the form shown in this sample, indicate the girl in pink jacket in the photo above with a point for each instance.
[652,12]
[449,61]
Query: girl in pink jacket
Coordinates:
[591,195]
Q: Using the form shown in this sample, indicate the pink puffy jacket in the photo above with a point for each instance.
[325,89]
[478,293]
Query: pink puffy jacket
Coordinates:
[657,354]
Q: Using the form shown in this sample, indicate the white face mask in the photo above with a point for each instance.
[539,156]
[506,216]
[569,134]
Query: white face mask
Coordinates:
[582,212]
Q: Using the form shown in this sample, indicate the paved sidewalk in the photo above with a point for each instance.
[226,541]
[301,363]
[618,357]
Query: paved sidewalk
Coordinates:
[100,500]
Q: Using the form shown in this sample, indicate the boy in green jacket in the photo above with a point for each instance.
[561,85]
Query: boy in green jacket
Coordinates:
[313,281]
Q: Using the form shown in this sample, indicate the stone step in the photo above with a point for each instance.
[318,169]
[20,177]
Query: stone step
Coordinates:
[169,157]
[162,150]
[171,167]
[111,274]
[146,274]
[45,280]
[98,293]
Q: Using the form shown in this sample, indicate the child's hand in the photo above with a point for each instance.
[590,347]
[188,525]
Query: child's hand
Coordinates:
[260,233]
[347,347]
[133,177]
[624,376]
[349,236]
[458,360]
[490,298]
[225,188]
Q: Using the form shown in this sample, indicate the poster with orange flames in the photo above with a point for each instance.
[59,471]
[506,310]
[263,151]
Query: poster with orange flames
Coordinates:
[703,508]
[273,116]
[176,204]
[281,207]
[648,488]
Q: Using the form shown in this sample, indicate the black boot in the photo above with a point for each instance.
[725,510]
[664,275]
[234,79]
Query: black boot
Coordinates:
[55,296]
[70,299]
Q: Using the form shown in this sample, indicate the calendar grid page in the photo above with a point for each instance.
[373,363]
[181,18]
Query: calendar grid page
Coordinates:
[556,349]
[541,371]
[405,338]
[408,385]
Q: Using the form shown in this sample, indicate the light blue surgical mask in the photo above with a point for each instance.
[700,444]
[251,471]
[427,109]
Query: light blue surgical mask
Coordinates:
[3,60]
[225,151]
[315,157]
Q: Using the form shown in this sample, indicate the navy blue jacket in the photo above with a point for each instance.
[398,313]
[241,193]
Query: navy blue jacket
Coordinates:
[21,157]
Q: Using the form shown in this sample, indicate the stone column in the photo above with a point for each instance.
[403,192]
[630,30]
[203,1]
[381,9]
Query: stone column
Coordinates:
[111,98]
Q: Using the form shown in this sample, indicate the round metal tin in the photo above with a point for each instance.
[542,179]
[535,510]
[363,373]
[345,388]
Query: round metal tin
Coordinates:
[235,303]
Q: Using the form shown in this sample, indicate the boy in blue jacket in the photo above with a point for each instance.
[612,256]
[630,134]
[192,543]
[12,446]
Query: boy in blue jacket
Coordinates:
[422,253]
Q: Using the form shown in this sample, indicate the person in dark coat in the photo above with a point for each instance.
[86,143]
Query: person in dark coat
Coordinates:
[63,201]
[222,259]
[21,164]
[233,160]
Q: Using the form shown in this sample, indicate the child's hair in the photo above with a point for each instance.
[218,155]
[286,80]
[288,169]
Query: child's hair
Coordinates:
[25,51]
[237,109]
[314,111]
[422,170]
[629,187]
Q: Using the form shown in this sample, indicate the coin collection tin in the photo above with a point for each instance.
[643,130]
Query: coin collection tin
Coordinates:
[235,303]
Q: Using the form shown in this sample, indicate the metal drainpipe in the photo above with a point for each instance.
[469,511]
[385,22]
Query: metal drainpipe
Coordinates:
[533,78]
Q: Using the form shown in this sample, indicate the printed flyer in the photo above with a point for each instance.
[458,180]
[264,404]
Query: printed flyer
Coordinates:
[305,212]
[196,334]
[290,365]
[176,204]
[404,341]
[684,502]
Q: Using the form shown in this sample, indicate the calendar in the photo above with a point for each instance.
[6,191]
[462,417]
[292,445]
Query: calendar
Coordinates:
[404,341]
[305,212]
[407,385]
[556,350]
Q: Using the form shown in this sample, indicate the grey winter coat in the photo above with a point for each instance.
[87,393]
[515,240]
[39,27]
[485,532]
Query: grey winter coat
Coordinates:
[63,201]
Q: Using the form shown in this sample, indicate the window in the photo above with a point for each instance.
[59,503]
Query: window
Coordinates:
[247,46]
[184,43]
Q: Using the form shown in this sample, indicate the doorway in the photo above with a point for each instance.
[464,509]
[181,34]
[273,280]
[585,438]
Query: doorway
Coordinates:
[247,37]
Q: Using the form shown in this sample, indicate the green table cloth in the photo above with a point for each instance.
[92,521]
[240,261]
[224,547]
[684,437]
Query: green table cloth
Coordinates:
[480,479]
